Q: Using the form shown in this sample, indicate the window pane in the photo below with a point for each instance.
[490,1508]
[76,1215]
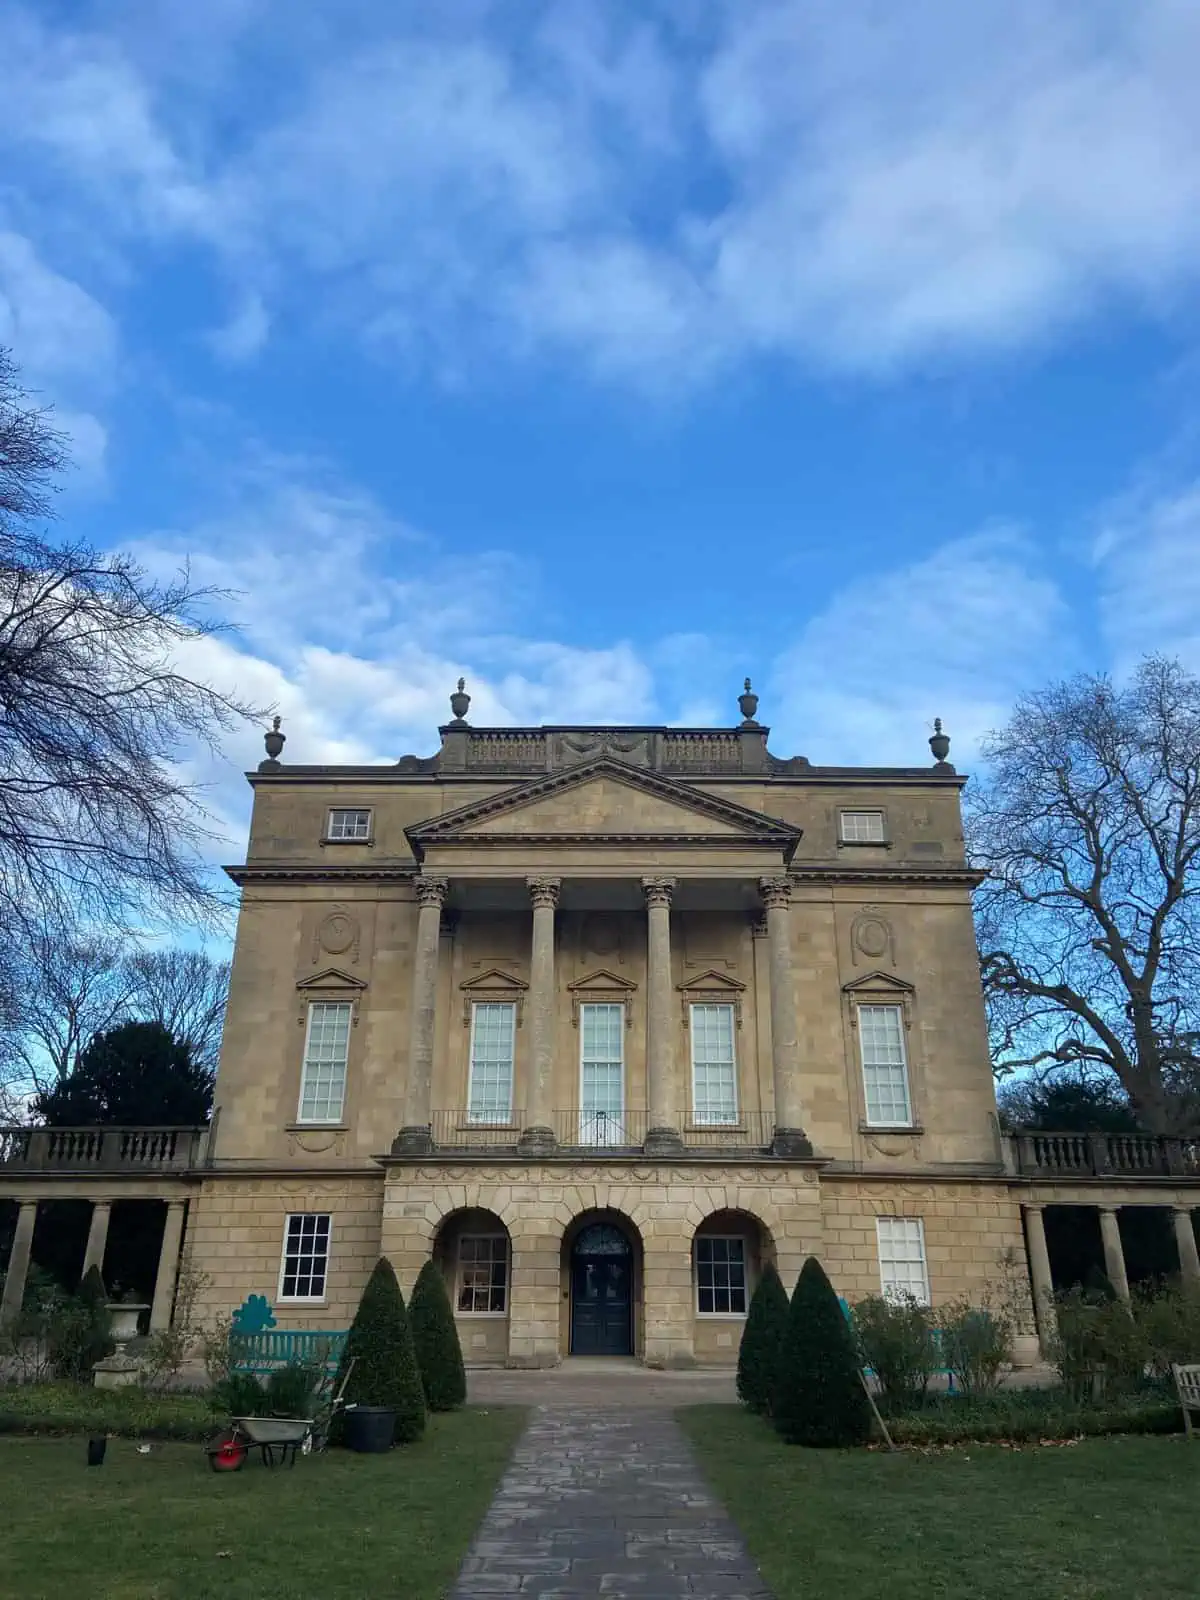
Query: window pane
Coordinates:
[482,1273]
[714,1070]
[721,1276]
[493,1032]
[323,1079]
[305,1256]
[602,1073]
[349,825]
[902,1268]
[885,1070]
[862,827]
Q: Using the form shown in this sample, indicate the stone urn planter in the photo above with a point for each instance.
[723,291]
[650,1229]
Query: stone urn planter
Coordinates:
[119,1370]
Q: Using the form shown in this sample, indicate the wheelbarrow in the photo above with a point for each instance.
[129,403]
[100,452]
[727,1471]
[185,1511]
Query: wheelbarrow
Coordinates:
[277,1439]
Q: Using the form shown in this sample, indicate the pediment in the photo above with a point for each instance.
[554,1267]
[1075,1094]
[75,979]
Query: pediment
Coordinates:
[713,982]
[877,983]
[494,979]
[604,800]
[602,980]
[330,978]
[496,985]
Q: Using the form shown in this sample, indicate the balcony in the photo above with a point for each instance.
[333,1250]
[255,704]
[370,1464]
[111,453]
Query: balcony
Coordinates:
[606,1132]
[133,1151]
[1103,1155]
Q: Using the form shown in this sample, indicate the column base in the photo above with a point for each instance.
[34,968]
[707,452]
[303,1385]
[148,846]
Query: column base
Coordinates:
[537,1142]
[792,1143]
[663,1142]
[413,1141]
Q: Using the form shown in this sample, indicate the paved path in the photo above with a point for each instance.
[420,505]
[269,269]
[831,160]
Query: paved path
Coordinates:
[606,1503]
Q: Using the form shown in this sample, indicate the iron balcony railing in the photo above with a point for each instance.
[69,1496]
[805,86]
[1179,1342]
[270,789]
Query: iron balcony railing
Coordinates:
[1104,1155]
[578,1129]
[100,1149]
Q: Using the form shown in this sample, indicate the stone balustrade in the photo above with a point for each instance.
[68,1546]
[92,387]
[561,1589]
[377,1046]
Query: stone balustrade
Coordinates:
[109,1150]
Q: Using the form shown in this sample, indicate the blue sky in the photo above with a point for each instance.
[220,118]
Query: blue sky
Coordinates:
[605,353]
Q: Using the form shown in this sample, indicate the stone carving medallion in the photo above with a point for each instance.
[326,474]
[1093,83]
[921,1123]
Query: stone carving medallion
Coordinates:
[871,937]
[337,933]
[574,747]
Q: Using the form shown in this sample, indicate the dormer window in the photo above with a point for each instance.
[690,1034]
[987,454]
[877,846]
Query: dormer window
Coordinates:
[862,827]
[349,826]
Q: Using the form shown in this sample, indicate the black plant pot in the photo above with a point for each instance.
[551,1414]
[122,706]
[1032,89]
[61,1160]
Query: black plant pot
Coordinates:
[96,1449]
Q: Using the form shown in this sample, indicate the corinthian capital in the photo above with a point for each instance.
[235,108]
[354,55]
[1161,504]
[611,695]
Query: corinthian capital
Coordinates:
[544,891]
[658,891]
[776,891]
[431,891]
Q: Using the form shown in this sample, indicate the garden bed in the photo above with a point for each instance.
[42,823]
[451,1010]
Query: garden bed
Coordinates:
[1024,1415]
[133,1413]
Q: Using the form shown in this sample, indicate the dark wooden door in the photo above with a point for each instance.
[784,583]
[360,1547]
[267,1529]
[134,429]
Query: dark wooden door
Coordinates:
[601,1305]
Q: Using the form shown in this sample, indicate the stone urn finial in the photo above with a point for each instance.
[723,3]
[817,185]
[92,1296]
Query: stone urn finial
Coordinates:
[460,701]
[939,742]
[748,701]
[274,741]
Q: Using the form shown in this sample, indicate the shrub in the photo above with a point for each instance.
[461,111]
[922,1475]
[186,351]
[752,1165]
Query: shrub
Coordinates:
[65,1408]
[1098,1345]
[77,1330]
[239,1394]
[435,1339]
[291,1390]
[166,1351]
[820,1399]
[762,1342]
[385,1371]
[1030,1415]
[1169,1323]
[976,1345]
[895,1339]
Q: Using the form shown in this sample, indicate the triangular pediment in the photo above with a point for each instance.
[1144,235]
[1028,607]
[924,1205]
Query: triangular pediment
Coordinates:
[602,800]
[877,982]
[494,979]
[331,978]
[714,982]
[601,981]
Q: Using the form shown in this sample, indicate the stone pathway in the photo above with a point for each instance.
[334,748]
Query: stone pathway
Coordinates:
[606,1503]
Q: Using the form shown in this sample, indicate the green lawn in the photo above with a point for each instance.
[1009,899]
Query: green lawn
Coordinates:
[163,1527]
[1106,1519]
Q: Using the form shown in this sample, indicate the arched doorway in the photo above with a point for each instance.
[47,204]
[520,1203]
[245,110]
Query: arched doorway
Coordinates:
[602,1290]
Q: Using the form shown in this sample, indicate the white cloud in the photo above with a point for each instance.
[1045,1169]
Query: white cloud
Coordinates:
[1146,561]
[244,335]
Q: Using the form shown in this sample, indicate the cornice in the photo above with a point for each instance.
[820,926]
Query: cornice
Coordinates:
[955,877]
[303,872]
[707,841]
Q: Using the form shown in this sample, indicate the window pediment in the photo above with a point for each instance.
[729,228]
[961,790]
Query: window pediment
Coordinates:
[602,987]
[496,986]
[711,988]
[330,983]
[879,988]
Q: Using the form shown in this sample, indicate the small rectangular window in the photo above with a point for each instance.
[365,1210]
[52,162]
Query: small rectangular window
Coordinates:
[714,1067]
[349,825]
[326,1047]
[862,827]
[490,1090]
[885,1069]
[902,1269]
[602,1073]
[305,1256]
[721,1277]
[483,1274]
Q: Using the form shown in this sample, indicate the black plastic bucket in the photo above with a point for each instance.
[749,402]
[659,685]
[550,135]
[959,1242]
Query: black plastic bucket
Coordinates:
[370,1429]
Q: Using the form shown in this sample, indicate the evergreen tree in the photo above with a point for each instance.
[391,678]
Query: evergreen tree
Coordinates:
[762,1341]
[137,1075]
[820,1399]
[380,1344]
[435,1338]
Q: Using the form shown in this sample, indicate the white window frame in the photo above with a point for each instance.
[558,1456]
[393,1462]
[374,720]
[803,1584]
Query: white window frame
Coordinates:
[493,1239]
[906,1121]
[846,836]
[299,1216]
[703,1119]
[900,1243]
[354,837]
[723,1238]
[604,1126]
[497,1120]
[329,1119]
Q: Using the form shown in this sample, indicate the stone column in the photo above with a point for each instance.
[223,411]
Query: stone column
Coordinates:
[790,1137]
[662,1134]
[97,1239]
[543,1016]
[168,1266]
[1114,1254]
[1185,1240]
[18,1262]
[415,1134]
[1039,1272]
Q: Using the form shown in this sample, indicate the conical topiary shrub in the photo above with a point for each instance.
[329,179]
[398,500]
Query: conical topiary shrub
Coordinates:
[762,1341]
[435,1338]
[819,1398]
[385,1371]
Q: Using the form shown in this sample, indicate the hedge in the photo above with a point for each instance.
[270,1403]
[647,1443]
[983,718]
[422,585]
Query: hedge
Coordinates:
[64,1408]
[1025,1416]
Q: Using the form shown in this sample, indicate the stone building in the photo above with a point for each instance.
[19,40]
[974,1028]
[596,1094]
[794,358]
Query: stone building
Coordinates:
[603,1018]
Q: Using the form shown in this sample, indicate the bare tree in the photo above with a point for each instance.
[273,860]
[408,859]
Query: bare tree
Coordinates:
[185,990]
[99,822]
[1088,822]
[68,987]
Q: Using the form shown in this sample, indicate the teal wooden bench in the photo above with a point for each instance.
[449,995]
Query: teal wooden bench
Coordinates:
[257,1346]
